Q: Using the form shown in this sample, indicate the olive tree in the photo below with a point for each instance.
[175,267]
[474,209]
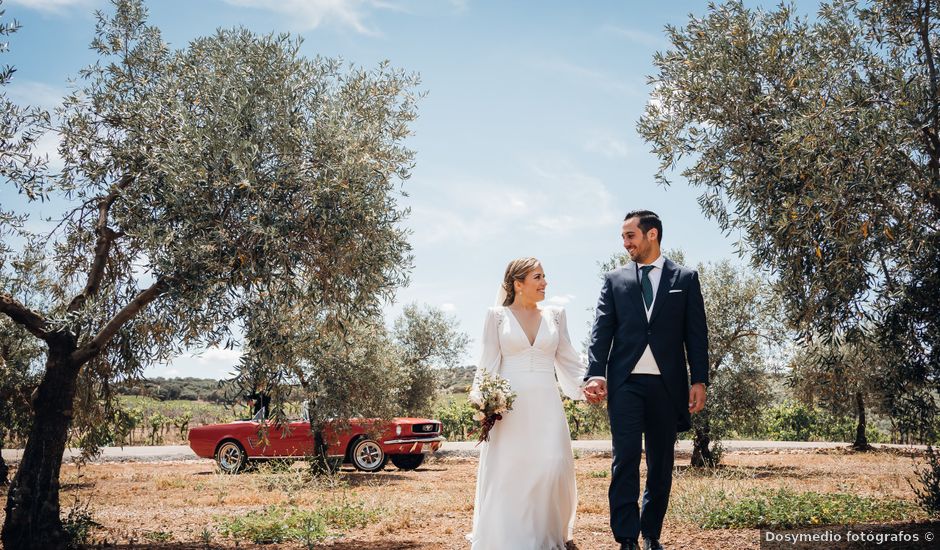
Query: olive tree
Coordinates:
[845,378]
[428,339]
[745,335]
[196,175]
[818,141]
[20,166]
[343,366]
[346,368]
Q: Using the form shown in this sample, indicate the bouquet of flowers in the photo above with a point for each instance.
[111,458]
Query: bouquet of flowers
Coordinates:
[491,399]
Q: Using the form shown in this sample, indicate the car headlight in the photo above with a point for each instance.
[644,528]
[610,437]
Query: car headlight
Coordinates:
[398,430]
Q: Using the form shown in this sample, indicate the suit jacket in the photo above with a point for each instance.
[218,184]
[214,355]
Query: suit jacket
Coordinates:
[676,332]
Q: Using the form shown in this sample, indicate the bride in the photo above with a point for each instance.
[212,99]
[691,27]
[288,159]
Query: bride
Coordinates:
[526,495]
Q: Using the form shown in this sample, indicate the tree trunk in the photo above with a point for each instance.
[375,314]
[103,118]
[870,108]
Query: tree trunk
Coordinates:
[861,439]
[32,508]
[4,469]
[702,455]
[320,462]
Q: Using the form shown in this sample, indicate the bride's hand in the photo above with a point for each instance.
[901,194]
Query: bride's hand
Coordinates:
[595,390]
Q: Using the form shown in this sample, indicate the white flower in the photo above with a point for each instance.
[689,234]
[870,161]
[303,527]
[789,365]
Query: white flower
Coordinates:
[478,416]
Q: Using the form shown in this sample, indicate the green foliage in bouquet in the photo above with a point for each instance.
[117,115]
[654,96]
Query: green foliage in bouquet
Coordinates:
[492,397]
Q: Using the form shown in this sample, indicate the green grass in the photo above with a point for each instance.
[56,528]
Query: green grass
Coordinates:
[276,524]
[786,509]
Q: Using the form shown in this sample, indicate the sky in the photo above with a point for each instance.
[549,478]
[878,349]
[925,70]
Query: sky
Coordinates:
[526,142]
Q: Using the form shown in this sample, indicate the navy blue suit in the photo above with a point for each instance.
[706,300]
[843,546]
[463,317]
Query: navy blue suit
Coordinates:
[656,406]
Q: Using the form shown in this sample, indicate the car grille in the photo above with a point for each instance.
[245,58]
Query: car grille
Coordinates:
[429,428]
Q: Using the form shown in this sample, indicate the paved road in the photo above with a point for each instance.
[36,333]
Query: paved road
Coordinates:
[452,448]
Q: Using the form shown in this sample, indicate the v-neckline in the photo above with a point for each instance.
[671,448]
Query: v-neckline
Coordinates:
[538,329]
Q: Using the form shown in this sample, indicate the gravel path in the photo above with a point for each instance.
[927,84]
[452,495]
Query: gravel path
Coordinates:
[453,448]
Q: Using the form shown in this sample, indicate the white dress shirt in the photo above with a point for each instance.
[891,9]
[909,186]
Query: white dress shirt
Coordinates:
[647,363]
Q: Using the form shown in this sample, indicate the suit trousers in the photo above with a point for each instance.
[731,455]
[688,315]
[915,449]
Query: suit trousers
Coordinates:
[640,406]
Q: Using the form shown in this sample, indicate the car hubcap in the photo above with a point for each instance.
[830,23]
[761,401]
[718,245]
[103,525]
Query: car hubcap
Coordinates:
[229,457]
[369,455]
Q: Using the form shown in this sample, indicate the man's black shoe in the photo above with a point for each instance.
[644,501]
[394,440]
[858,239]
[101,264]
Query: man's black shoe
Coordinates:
[629,545]
[652,544]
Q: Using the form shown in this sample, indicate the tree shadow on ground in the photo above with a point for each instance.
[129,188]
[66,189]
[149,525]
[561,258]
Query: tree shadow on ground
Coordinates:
[726,471]
[75,486]
[342,545]
[356,479]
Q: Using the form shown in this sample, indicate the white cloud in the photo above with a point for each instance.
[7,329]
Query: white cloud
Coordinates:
[607,146]
[220,357]
[570,199]
[460,5]
[638,37]
[554,197]
[48,146]
[448,307]
[592,77]
[51,6]
[34,94]
[310,14]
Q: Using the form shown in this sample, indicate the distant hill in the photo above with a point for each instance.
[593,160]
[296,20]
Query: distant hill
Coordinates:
[455,380]
[187,389]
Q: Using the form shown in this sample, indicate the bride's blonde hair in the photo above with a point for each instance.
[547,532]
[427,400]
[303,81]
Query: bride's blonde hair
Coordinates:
[517,270]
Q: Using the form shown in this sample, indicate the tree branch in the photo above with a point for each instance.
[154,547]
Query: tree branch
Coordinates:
[106,237]
[933,146]
[94,347]
[22,315]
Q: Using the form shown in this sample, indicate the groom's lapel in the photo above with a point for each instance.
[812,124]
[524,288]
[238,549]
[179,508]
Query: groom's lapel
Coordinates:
[668,279]
[633,288]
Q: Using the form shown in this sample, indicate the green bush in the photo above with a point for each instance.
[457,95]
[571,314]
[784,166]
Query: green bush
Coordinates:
[79,524]
[276,524]
[456,416]
[456,420]
[790,421]
[928,493]
[786,509]
[586,419]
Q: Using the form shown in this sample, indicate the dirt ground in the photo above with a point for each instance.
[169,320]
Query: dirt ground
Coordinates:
[177,505]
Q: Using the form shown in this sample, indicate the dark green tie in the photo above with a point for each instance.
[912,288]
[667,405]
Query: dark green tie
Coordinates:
[647,285]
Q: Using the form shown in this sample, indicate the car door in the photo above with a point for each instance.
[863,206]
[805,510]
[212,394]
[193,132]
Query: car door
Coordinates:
[291,439]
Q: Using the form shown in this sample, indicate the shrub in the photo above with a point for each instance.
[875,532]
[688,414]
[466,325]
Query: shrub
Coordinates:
[792,421]
[276,524]
[585,419]
[78,525]
[928,494]
[786,509]
[456,420]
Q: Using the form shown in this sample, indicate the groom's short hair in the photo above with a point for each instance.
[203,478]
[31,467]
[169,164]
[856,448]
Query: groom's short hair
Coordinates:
[648,220]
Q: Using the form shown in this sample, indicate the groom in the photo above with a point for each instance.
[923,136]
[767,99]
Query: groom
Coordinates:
[650,323]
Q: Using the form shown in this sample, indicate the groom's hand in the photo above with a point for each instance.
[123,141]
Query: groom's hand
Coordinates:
[595,390]
[696,398]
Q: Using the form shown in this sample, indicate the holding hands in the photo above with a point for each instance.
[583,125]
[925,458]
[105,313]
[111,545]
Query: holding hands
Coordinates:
[595,390]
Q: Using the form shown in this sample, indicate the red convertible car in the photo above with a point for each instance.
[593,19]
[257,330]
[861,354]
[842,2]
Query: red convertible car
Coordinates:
[367,444]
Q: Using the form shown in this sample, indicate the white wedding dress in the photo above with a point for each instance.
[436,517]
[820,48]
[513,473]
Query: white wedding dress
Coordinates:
[526,495]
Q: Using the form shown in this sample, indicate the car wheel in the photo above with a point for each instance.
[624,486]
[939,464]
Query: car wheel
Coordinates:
[407,462]
[367,455]
[231,457]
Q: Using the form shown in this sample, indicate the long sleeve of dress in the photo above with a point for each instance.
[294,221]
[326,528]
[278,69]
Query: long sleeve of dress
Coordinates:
[569,368]
[491,356]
